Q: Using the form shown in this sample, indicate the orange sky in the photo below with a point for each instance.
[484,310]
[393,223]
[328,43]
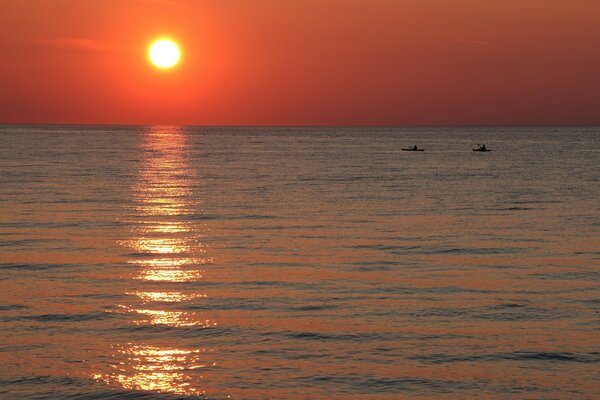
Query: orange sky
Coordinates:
[302,62]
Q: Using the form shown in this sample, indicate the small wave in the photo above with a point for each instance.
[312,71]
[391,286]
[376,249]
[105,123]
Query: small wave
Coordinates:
[26,242]
[351,337]
[571,275]
[287,227]
[481,250]
[228,304]
[313,307]
[43,379]
[67,317]
[38,224]
[34,267]
[508,305]
[456,289]
[72,388]
[9,307]
[404,249]
[521,313]
[13,348]
[593,357]
[372,268]
[383,247]
[170,331]
[376,265]
[298,285]
[230,217]
[370,384]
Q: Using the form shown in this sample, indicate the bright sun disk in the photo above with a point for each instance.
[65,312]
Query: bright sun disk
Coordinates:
[164,53]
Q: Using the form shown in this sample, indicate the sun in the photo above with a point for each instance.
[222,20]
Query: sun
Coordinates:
[164,53]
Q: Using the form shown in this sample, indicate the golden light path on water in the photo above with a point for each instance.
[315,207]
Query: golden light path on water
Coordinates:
[166,251]
[157,369]
[165,297]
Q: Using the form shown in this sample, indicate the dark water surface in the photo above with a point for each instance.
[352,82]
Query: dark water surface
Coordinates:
[257,263]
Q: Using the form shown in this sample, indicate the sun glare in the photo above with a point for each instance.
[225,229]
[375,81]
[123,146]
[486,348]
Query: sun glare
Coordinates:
[164,53]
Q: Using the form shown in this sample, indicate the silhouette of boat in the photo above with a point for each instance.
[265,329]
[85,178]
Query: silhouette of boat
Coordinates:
[480,149]
[412,149]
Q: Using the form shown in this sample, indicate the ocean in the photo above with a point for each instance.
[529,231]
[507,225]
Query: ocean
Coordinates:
[299,263]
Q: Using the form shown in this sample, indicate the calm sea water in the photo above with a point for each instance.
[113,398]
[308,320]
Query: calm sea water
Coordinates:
[255,263]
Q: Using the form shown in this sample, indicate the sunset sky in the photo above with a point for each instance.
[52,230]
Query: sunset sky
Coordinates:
[302,62]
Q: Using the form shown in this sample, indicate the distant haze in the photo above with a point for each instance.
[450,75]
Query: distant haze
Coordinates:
[302,62]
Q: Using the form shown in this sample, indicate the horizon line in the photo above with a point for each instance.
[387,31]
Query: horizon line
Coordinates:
[302,125]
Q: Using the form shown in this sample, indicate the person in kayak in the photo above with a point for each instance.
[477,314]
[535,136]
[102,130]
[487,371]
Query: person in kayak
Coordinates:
[414,147]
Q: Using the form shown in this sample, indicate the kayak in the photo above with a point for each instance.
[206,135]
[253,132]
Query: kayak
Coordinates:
[481,150]
[412,149]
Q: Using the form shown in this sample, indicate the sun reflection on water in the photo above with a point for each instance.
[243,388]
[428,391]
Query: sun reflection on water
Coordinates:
[159,246]
[166,249]
[168,317]
[167,227]
[169,275]
[158,369]
[166,297]
[173,318]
